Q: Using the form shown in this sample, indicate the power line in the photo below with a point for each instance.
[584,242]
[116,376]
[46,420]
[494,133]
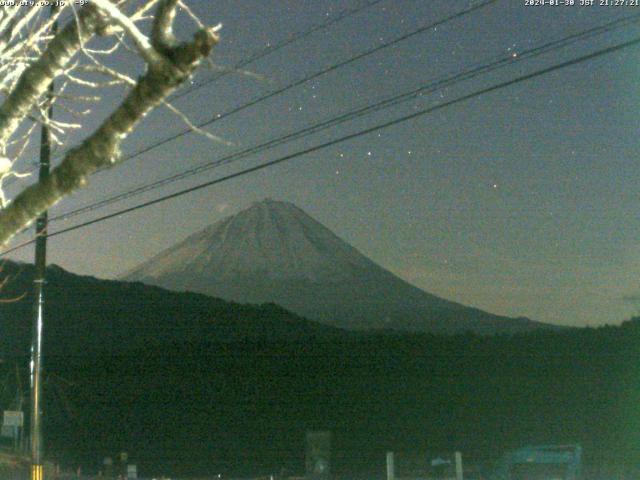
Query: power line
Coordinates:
[310,77]
[344,138]
[313,76]
[274,48]
[306,79]
[386,103]
[346,13]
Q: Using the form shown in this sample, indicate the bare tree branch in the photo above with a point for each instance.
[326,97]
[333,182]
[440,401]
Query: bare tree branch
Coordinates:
[168,67]
[35,80]
[146,50]
[162,33]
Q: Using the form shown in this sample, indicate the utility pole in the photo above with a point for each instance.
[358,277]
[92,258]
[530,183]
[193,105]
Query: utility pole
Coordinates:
[38,317]
[20,401]
[391,471]
[35,424]
[459,473]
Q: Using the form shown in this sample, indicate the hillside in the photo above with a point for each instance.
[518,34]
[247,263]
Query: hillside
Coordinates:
[241,408]
[191,385]
[89,314]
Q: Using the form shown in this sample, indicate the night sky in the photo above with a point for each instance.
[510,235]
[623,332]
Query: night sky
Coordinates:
[523,201]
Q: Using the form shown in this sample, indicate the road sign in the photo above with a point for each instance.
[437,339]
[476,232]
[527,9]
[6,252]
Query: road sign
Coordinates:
[12,418]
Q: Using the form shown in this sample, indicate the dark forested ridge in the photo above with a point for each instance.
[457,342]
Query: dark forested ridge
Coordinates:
[213,396]
[243,407]
[89,314]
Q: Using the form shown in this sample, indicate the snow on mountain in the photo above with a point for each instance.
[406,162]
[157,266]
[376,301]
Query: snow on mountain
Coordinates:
[274,239]
[274,252]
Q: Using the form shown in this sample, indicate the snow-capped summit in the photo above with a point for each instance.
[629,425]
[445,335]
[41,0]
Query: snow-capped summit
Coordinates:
[274,252]
[271,239]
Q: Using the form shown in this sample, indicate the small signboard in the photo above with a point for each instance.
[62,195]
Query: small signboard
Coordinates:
[132,472]
[12,418]
[318,455]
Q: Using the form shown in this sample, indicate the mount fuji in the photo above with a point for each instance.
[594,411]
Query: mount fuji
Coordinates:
[275,252]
